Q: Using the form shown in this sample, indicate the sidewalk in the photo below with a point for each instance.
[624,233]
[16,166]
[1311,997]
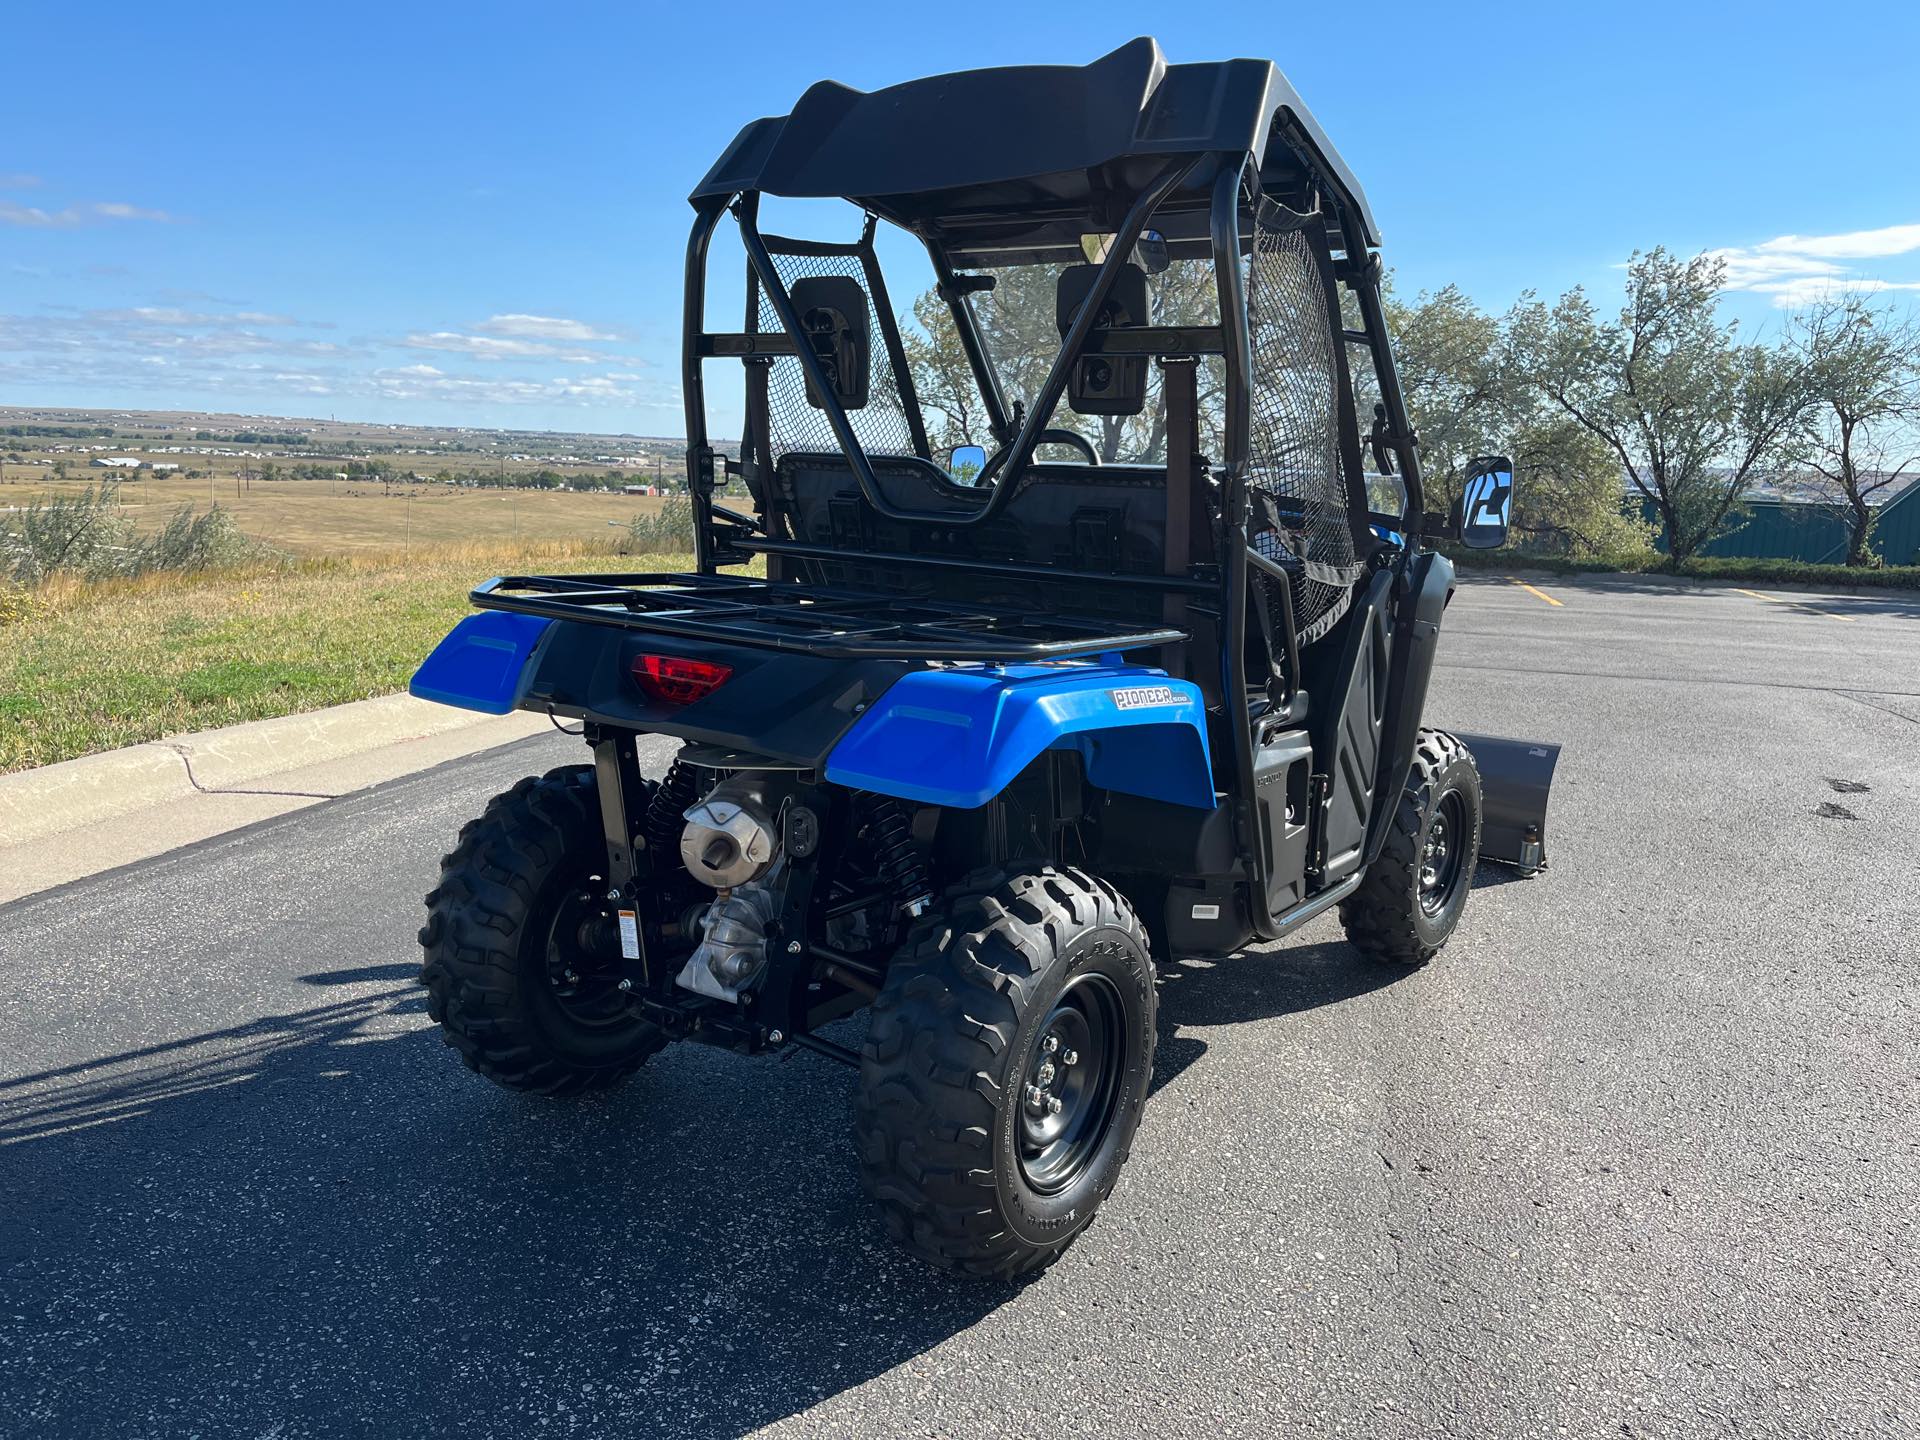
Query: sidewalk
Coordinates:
[62,822]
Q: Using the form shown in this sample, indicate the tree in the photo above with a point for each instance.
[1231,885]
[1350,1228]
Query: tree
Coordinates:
[950,402]
[1466,396]
[1457,387]
[1858,437]
[1691,414]
[1019,327]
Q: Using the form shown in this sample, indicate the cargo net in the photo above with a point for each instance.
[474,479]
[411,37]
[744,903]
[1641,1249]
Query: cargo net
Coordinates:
[880,425]
[1300,512]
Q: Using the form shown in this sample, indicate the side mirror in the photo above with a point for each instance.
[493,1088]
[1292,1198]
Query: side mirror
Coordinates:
[966,463]
[833,312]
[1486,503]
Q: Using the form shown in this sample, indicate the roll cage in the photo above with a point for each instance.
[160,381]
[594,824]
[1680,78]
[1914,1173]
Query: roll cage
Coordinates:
[982,182]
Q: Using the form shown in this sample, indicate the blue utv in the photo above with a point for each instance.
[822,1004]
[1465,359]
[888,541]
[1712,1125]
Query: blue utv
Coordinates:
[1086,637]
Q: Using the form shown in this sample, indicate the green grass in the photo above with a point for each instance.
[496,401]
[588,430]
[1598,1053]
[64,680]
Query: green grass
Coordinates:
[87,667]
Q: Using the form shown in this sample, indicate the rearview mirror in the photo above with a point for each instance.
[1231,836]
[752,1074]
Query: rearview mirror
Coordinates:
[966,463]
[1150,251]
[833,313]
[1486,503]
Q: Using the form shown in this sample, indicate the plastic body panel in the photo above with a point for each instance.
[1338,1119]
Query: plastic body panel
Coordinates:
[784,706]
[1429,587]
[1282,765]
[1348,731]
[959,736]
[482,664]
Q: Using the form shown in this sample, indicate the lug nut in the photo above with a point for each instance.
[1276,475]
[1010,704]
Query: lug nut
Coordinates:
[1036,1097]
[1050,1044]
[1053,1104]
[1069,1057]
[1047,1072]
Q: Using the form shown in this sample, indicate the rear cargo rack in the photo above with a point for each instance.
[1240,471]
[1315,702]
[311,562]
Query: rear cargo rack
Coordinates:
[811,619]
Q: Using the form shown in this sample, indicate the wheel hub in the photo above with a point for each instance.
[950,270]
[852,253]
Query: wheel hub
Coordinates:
[1441,860]
[583,966]
[1070,1083]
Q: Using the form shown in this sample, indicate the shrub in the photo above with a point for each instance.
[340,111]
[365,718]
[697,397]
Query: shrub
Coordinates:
[666,531]
[88,535]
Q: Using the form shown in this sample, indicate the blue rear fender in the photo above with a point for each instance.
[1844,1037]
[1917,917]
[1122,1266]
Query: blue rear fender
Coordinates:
[484,663]
[958,736]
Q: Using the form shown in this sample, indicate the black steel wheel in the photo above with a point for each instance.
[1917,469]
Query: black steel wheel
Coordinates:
[1070,1084]
[1415,892]
[522,957]
[1441,852]
[1006,1065]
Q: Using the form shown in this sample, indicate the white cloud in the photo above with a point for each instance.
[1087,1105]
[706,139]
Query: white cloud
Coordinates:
[34,218]
[1797,270]
[16,181]
[1854,245]
[542,327]
[488,347]
[168,315]
[1806,289]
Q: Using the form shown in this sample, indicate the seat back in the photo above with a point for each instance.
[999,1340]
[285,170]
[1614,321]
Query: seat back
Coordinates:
[1108,520]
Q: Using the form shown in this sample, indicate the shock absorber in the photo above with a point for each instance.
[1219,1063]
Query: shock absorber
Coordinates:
[667,808]
[902,869]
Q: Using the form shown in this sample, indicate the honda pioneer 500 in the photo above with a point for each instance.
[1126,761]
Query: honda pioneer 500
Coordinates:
[992,732]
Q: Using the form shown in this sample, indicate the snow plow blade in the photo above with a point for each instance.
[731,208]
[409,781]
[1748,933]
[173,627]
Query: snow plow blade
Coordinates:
[1515,776]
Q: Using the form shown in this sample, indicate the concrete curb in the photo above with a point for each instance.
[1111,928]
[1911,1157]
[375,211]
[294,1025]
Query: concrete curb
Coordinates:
[54,799]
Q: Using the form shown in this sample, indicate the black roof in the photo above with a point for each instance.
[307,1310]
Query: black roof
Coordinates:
[975,158]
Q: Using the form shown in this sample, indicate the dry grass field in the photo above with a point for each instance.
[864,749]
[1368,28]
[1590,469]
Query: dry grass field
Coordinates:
[91,665]
[324,517]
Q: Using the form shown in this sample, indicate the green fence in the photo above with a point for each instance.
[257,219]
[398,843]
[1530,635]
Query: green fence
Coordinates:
[1796,530]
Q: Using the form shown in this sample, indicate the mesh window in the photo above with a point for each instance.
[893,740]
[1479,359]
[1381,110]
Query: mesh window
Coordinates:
[881,425]
[1301,514]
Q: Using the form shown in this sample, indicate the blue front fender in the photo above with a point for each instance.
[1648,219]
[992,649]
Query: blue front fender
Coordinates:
[959,736]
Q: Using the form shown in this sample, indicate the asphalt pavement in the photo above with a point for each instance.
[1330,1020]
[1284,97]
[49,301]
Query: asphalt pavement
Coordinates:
[1635,1157]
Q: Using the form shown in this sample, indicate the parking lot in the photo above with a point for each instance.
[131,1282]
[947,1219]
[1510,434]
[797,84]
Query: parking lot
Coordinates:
[1635,1157]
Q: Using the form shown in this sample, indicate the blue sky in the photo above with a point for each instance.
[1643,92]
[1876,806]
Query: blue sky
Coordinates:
[476,214]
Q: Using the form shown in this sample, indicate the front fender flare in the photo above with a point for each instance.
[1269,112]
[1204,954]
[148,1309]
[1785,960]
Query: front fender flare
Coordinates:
[957,737]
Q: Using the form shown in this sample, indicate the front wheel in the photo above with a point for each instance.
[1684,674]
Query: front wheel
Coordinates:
[1414,893]
[522,960]
[1005,1068]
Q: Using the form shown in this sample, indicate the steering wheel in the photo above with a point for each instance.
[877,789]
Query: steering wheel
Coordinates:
[1072,438]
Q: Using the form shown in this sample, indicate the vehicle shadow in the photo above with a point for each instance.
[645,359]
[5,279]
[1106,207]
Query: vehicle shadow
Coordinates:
[317,1222]
[1261,984]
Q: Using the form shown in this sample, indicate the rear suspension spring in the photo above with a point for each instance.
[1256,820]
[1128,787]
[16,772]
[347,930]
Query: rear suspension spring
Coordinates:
[666,811]
[902,868]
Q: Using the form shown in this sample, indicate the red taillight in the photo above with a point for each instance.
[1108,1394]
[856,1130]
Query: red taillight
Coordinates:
[676,681]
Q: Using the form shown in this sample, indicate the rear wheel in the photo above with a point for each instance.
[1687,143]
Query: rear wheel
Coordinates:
[1006,1065]
[522,960]
[1414,893]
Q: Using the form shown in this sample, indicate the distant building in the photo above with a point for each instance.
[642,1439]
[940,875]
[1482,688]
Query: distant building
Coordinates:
[114,462]
[162,466]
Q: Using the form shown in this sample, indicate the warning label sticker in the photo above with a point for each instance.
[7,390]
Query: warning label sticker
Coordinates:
[629,934]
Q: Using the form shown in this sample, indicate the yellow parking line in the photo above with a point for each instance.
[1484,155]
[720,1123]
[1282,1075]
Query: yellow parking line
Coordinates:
[1531,591]
[1799,605]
